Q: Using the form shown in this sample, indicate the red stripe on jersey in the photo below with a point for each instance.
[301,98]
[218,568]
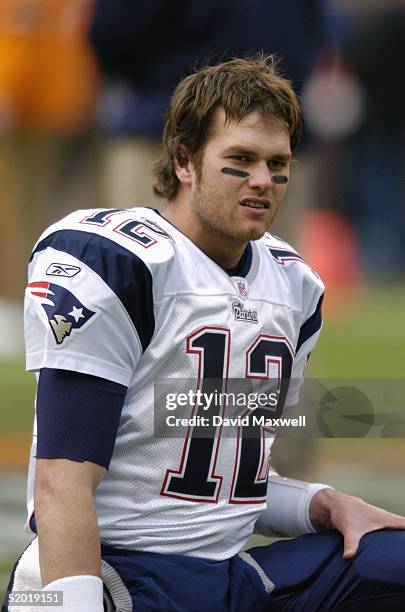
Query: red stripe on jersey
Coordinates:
[42,284]
[38,294]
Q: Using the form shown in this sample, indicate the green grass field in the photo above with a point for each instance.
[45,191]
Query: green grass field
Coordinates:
[366,341]
[17,392]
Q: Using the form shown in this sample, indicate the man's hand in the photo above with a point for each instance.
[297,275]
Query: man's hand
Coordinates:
[353,517]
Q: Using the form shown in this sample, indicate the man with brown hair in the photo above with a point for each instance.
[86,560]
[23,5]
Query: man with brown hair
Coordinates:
[138,325]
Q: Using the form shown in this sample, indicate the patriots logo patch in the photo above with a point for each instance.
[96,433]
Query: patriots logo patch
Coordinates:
[66,314]
[244,314]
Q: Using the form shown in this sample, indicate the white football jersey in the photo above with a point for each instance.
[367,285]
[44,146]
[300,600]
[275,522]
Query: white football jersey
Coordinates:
[124,295]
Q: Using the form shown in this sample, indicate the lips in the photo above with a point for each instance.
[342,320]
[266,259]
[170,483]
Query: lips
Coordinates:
[255,203]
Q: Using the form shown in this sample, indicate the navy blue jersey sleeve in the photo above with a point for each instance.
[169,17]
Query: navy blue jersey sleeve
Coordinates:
[311,326]
[308,336]
[77,416]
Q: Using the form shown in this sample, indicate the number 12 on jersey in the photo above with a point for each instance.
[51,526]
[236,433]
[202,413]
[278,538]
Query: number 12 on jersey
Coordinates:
[196,478]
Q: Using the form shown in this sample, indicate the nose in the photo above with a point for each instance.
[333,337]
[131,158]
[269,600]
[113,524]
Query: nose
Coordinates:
[260,177]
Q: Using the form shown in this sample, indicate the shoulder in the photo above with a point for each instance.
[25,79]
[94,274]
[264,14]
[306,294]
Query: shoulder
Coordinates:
[284,254]
[119,245]
[106,259]
[94,270]
[305,287]
[128,234]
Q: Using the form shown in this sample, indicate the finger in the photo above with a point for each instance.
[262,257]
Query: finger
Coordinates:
[395,521]
[350,545]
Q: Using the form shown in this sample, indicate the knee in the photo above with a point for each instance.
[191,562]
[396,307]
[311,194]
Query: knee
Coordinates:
[381,557]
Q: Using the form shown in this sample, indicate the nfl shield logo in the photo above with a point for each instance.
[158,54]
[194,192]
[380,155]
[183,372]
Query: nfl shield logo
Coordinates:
[242,288]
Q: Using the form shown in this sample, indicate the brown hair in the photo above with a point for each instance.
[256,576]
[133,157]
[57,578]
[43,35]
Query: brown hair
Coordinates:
[240,86]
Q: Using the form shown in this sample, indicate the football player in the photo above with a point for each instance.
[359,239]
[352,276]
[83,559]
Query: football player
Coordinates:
[127,309]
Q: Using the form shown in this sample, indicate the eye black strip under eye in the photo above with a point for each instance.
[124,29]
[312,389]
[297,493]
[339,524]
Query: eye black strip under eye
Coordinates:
[235,172]
[278,179]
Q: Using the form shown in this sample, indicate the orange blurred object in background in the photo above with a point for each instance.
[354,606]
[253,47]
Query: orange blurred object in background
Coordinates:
[48,75]
[328,242]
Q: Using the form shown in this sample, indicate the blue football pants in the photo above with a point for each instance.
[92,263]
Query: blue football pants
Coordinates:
[305,574]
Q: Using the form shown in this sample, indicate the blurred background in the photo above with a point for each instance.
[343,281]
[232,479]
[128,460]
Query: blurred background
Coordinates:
[83,89]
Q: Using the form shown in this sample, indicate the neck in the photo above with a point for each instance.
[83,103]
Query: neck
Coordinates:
[225,252]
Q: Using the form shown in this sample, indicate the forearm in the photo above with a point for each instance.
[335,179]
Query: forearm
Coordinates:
[69,543]
[68,536]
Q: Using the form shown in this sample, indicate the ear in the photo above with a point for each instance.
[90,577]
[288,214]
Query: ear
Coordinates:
[183,165]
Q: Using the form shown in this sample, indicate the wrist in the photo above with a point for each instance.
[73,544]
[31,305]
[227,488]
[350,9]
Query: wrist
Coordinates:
[320,509]
[79,593]
[287,511]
